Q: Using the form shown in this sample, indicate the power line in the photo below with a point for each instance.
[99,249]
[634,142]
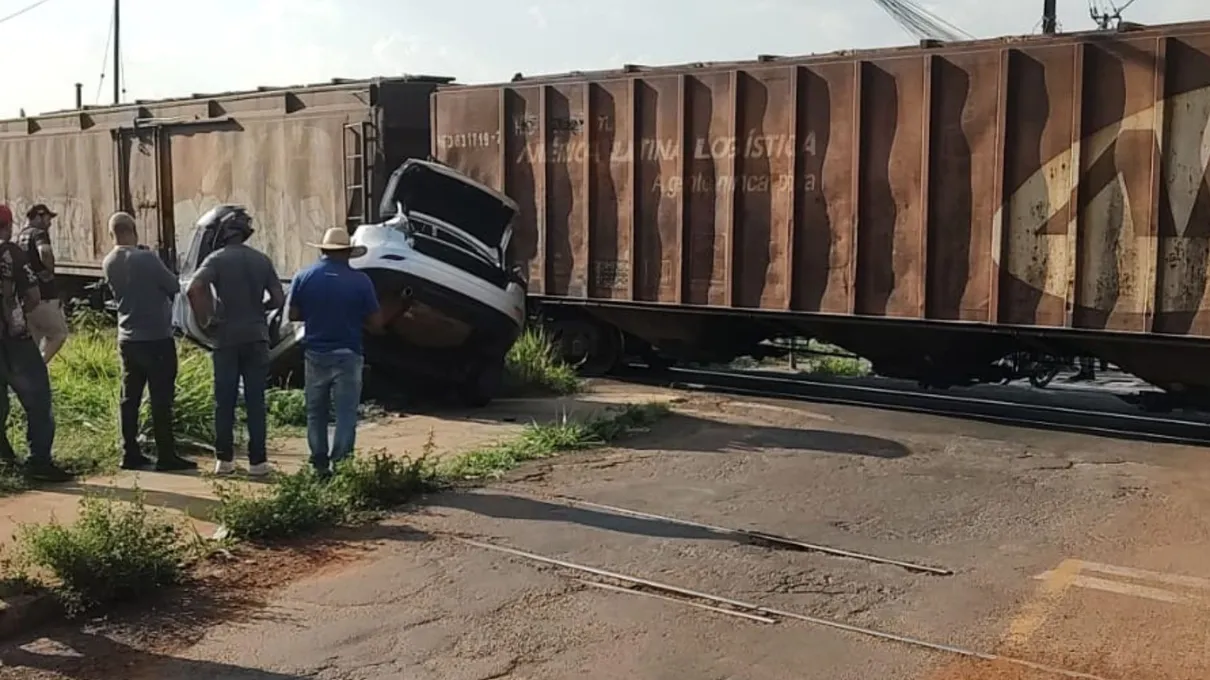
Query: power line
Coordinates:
[19,12]
[105,58]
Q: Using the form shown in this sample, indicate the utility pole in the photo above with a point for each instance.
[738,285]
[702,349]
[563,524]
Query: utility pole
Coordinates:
[117,51]
[1049,17]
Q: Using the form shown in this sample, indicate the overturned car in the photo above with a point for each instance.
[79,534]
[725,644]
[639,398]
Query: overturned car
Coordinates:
[452,302]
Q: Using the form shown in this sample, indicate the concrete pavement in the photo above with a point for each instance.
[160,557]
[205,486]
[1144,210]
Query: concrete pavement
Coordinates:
[1074,551]
[452,432]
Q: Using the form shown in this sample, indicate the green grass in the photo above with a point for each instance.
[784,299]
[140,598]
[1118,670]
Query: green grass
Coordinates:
[123,551]
[822,363]
[533,366]
[301,503]
[85,381]
[540,441]
[295,504]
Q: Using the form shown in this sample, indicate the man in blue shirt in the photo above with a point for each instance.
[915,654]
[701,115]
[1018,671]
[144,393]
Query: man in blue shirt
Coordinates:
[334,302]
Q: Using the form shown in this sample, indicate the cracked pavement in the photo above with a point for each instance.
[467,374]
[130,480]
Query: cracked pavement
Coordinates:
[1001,506]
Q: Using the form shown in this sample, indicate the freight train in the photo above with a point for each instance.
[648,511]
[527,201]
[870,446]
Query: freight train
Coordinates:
[932,208]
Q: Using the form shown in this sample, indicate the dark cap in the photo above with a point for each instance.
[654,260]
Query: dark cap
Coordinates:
[40,209]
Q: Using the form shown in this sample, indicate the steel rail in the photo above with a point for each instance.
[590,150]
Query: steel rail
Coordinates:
[755,536]
[771,612]
[1109,423]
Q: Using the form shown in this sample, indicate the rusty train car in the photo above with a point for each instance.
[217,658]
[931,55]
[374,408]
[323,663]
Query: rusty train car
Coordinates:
[303,159]
[931,208]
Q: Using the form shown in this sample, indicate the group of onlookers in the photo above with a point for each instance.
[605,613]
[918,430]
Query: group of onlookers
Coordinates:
[230,295]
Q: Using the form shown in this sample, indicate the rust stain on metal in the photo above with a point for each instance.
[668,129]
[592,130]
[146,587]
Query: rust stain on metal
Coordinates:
[282,152]
[1047,182]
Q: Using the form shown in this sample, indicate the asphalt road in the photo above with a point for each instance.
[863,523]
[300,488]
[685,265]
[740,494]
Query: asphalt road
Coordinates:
[1072,551]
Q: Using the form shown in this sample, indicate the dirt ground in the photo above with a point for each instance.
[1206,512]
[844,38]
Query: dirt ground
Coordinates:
[1084,554]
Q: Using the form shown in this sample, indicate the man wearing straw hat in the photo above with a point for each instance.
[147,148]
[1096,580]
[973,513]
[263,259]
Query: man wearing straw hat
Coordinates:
[334,302]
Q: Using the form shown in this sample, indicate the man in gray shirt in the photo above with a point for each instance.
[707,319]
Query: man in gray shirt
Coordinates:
[227,296]
[144,290]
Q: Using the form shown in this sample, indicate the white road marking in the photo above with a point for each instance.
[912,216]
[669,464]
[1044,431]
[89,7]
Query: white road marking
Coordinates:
[1179,581]
[1130,589]
[1145,575]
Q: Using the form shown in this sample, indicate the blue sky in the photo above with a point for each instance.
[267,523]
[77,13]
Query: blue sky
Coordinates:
[174,48]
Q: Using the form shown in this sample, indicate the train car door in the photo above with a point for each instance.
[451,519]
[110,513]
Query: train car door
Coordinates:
[142,189]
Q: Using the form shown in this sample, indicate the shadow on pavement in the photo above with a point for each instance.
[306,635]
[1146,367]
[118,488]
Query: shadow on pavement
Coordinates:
[688,433]
[505,506]
[193,506]
[139,641]
[94,656]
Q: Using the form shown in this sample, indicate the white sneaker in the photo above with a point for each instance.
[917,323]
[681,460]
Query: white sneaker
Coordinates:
[259,470]
[223,467]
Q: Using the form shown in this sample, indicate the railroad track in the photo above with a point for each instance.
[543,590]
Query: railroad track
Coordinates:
[1098,414]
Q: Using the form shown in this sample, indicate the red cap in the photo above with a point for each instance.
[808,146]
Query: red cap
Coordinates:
[6,214]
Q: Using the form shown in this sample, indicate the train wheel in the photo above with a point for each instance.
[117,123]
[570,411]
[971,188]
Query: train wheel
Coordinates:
[1042,375]
[592,348]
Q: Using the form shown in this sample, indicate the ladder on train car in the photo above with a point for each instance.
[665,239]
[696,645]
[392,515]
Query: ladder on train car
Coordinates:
[360,141]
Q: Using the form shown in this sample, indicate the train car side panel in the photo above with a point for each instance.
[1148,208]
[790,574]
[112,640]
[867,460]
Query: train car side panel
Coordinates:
[1118,157]
[658,244]
[301,159]
[268,165]
[568,172]
[1037,267]
[827,137]
[72,172]
[891,232]
[764,187]
[1051,182]
[611,202]
[710,129]
[1183,291]
[966,129]
[524,175]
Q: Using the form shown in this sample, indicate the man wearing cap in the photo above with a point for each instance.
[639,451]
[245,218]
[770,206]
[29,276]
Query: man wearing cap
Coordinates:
[21,366]
[47,322]
[334,302]
[144,289]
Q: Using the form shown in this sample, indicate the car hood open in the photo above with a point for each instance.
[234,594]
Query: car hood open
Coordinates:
[450,196]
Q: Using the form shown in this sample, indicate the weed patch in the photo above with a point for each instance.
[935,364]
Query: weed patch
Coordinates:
[540,441]
[303,502]
[114,552]
[814,358]
[119,551]
[382,481]
[287,408]
[296,504]
[533,366]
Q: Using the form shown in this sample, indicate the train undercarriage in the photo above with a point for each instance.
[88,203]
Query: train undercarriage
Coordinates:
[600,339]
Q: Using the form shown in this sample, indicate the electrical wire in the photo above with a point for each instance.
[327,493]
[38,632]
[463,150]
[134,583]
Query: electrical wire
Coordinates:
[27,8]
[921,22]
[104,58]
[122,72]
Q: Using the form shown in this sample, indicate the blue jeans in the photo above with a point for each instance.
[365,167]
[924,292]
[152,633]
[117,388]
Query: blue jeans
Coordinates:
[333,384]
[22,369]
[248,362]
